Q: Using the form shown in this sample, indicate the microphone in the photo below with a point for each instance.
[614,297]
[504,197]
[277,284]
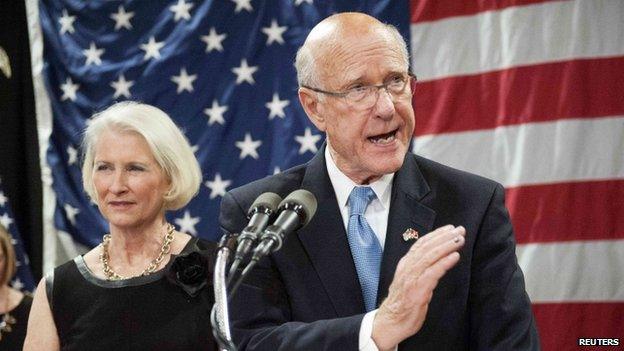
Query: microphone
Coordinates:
[295,211]
[259,215]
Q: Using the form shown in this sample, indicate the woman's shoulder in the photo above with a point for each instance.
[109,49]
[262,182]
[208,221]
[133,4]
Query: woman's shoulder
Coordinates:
[62,269]
[91,258]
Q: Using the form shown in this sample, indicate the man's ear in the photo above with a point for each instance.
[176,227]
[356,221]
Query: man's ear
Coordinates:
[310,103]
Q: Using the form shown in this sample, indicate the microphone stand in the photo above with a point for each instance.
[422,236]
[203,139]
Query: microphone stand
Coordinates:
[295,211]
[219,317]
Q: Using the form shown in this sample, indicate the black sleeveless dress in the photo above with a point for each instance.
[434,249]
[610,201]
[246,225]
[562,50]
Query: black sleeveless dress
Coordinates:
[13,325]
[167,310]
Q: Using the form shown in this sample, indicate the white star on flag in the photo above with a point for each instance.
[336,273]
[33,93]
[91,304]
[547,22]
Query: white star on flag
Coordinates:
[187,223]
[17,283]
[308,141]
[3,199]
[244,73]
[242,5]
[71,213]
[122,18]
[276,107]
[215,113]
[274,33]
[69,90]
[218,186]
[276,170]
[6,221]
[299,2]
[181,10]
[93,55]
[194,148]
[122,87]
[152,48]
[248,147]
[213,40]
[184,81]
[67,22]
[72,155]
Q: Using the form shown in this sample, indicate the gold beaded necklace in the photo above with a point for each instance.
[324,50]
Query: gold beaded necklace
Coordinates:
[151,268]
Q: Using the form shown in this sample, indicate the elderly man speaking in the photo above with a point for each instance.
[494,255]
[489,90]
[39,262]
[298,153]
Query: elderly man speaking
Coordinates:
[403,252]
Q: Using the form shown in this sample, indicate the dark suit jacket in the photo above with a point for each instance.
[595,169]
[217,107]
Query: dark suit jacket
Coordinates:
[307,295]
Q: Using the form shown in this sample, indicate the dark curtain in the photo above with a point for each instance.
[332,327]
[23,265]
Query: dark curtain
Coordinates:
[19,149]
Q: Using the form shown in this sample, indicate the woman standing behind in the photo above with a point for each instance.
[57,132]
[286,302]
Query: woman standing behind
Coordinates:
[145,286]
[14,305]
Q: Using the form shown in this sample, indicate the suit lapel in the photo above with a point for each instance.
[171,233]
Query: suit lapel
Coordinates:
[325,241]
[406,211]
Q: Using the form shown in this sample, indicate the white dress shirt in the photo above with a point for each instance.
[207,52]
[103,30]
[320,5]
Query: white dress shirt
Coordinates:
[376,215]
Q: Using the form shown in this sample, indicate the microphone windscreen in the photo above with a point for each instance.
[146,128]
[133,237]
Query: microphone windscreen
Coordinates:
[305,199]
[268,200]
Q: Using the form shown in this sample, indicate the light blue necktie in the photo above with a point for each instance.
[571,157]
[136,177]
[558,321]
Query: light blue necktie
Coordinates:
[364,245]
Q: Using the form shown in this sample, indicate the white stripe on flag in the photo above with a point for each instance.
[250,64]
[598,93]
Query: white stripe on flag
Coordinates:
[521,35]
[534,153]
[573,271]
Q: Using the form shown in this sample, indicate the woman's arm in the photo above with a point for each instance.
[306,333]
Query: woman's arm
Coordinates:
[41,334]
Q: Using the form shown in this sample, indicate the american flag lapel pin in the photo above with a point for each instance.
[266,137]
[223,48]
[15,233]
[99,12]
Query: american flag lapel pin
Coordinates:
[410,234]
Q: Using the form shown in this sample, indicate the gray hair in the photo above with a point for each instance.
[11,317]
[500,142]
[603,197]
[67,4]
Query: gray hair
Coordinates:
[305,61]
[169,146]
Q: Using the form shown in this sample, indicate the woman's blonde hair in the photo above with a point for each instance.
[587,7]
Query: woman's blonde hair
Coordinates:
[169,147]
[9,256]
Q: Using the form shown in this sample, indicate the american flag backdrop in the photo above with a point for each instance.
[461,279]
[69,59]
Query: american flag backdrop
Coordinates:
[527,92]
[531,94]
[223,70]
[23,279]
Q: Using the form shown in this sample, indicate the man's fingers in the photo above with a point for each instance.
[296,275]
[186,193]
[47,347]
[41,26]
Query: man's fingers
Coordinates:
[432,236]
[417,275]
[441,234]
[429,279]
[421,289]
[441,243]
[438,246]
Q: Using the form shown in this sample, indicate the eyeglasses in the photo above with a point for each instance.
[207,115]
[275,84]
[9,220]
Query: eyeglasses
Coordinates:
[365,96]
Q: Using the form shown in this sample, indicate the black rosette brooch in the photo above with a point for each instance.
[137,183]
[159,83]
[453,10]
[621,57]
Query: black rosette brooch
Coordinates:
[190,271]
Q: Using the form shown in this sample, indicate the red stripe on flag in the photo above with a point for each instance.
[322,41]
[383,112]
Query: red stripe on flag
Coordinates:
[423,10]
[567,211]
[546,92]
[562,324]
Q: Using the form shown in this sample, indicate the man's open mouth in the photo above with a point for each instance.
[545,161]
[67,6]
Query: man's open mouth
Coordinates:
[383,139]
